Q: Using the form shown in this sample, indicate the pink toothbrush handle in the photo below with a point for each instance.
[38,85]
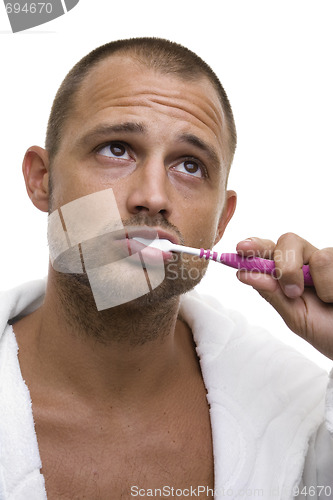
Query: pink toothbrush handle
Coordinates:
[251,263]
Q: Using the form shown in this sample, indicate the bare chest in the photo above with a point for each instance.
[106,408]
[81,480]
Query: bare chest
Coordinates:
[102,460]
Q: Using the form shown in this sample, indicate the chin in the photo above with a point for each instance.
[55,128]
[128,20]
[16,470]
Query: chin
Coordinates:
[180,276]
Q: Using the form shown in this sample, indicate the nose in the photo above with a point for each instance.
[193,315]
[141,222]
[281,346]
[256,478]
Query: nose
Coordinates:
[150,190]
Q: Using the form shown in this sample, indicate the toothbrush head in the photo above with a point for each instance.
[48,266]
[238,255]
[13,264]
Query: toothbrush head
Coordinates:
[163,245]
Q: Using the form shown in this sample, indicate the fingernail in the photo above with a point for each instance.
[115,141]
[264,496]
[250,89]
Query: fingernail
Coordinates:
[248,240]
[293,291]
[241,275]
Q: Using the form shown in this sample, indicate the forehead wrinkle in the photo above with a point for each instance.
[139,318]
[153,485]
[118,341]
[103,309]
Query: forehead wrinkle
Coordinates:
[181,101]
[209,117]
[205,109]
[134,102]
[133,79]
[174,99]
[199,114]
[107,94]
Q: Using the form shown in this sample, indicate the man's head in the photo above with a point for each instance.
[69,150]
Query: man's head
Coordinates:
[160,55]
[158,130]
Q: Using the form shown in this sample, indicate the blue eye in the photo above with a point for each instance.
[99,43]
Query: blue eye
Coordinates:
[190,167]
[114,150]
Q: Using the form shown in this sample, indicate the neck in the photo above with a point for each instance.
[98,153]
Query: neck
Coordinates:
[129,351]
[148,318]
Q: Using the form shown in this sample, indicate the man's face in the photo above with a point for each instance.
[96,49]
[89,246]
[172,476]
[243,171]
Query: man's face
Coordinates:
[158,141]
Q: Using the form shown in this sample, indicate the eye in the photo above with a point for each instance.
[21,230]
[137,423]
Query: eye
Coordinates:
[115,150]
[190,167]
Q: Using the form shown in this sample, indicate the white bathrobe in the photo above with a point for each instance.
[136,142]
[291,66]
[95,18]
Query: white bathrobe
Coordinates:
[267,408]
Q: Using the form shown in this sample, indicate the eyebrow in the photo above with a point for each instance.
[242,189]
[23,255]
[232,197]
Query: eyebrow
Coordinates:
[202,145]
[134,127]
[105,130]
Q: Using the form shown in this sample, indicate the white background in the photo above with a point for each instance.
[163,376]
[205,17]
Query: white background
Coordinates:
[275,62]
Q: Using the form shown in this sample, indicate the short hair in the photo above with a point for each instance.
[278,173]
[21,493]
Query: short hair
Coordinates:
[156,53]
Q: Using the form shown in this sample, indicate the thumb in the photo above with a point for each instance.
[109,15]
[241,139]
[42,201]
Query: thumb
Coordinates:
[268,287]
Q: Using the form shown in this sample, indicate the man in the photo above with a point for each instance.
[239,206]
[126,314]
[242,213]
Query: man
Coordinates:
[121,405]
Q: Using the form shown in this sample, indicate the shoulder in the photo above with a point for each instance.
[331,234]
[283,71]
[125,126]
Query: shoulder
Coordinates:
[20,301]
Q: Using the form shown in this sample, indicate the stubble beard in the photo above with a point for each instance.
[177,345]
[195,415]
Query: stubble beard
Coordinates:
[147,318]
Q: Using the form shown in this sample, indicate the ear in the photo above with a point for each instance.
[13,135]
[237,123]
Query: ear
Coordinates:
[228,211]
[35,169]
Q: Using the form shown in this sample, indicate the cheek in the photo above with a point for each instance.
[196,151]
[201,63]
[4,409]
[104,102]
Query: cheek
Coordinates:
[201,226]
[69,184]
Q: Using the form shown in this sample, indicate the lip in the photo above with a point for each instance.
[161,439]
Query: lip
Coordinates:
[150,255]
[150,233]
[124,245]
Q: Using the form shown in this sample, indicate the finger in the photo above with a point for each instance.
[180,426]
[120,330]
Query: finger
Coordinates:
[321,268]
[261,282]
[256,247]
[268,287]
[295,312]
[291,253]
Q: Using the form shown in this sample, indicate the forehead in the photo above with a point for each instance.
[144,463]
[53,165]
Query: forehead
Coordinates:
[121,88]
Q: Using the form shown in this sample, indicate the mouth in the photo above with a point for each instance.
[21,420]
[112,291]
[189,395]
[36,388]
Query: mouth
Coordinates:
[150,233]
[150,255]
[119,245]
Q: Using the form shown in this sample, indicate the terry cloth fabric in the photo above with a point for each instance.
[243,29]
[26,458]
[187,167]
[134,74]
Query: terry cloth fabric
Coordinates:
[266,405]
[20,477]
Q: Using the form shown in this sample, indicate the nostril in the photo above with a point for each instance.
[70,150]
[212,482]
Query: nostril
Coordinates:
[140,208]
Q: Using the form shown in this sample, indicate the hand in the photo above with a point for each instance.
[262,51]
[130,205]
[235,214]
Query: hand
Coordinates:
[308,311]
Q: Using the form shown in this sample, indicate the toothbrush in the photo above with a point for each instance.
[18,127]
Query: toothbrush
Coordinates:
[229,259]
